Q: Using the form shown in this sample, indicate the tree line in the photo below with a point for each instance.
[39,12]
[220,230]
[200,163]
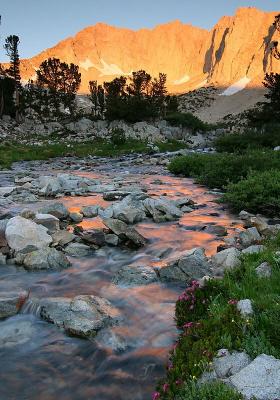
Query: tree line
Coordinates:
[132,98]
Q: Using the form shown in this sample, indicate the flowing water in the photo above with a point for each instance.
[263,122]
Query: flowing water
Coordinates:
[46,364]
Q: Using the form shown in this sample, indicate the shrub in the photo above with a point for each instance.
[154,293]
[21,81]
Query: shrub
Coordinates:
[260,192]
[269,138]
[118,136]
[186,120]
[218,170]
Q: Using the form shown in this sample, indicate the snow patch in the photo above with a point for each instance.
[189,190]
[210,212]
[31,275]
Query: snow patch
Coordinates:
[110,69]
[201,84]
[236,87]
[184,79]
[87,64]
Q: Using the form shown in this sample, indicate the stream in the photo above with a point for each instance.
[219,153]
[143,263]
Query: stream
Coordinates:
[46,364]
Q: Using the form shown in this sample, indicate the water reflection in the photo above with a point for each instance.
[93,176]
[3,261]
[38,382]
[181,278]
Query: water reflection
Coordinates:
[42,363]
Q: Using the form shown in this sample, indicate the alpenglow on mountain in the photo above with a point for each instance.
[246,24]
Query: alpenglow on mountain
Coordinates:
[235,52]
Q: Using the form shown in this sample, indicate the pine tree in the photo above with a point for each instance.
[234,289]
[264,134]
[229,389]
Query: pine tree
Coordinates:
[61,79]
[11,47]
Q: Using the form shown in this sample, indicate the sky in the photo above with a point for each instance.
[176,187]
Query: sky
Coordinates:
[41,24]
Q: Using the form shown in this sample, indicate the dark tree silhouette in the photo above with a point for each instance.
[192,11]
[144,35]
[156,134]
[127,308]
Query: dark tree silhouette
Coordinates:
[272,80]
[11,47]
[61,79]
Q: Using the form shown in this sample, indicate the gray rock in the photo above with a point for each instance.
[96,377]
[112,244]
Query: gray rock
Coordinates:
[259,380]
[76,217]
[162,210]
[3,225]
[255,249]
[229,364]
[81,316]
[25,235]
[47,220]
[109,339]
[216,230]
[135,275]
[264,270]
[183,201]
[15,333]
[45,259]
[249,236]
[245,307]
[94,237]
[28,214]
[192,264]
[11,302]
[3,259]
[77,250]
[111,239]
[57,209]
[62,238]
[227,259]
[124,232]
[90,211]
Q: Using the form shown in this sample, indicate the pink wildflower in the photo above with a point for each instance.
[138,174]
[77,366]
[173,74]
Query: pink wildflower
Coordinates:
[232,302]
[188,325]
[156,396]
[165,387]
[169,365]
[179,382]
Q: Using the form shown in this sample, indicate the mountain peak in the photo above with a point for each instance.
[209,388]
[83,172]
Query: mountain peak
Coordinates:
[235,49]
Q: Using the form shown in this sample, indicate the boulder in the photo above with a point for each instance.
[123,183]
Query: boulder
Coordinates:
[77,250]
[94,237]
[162,209]
[81,316]
[24,235]
[45,259]
[135,275]
[190,265]
[264,270]
[254,249]
[124,232]
[227,364]
[227,259]
[61,238]
[3,225]
[259,380]
[111,239]
[3,259]
[49,186]
[216,230]
[48,221]
[249,236]
[15,332]
[76,217]
[57,209]
[90,211]
[11,302]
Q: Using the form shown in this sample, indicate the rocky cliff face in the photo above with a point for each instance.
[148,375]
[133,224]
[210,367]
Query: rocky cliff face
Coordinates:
[237,48]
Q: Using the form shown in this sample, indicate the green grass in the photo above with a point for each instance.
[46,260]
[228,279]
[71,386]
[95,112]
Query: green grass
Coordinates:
[13,152]
[214,323]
